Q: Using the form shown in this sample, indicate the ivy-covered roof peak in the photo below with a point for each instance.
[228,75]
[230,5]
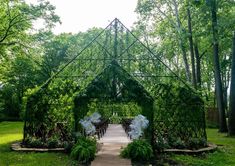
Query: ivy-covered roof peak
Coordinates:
[115,83]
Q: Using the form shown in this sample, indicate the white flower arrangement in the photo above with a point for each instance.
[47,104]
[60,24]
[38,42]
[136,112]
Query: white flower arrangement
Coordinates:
[88,126]
[87,123]
[138,124]
[95,117]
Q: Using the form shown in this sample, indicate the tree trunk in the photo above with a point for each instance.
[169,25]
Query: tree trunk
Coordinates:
[182,47]
[191,46]
[231,120]
[218,83]
[225,83]
[198,64]
[225,95]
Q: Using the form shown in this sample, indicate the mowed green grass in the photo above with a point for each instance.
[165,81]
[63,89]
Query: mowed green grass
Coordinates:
[12,131]
[224,156]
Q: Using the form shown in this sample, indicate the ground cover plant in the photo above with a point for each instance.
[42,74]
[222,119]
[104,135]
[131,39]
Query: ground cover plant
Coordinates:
[139,150]
[84,150]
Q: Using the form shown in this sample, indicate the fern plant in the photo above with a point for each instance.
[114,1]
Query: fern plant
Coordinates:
[138,150]
[84,150]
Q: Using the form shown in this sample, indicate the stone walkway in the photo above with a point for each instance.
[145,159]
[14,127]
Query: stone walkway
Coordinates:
[112,142]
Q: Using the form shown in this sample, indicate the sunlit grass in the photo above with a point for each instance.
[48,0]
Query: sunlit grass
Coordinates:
[10,132]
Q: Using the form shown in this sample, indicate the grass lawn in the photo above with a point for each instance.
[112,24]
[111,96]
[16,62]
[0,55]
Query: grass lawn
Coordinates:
[224,156]
[12,131]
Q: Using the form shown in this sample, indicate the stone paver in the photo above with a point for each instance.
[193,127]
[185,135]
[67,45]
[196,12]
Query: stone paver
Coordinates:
[112,142]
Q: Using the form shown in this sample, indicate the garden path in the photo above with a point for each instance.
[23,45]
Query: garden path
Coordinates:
[112,142]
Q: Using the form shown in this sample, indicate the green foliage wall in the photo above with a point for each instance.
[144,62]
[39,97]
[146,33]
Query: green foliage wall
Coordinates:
[46,107]
[179,115]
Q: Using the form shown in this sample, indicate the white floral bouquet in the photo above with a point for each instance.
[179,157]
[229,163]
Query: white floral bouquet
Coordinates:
[138,124]
[87,123]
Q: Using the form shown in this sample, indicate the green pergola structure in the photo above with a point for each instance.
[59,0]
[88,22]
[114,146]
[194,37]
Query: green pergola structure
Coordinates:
[118,67]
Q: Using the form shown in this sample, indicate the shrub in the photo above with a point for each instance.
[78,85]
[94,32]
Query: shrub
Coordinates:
[84,150]
[176,143]
[161,143]
[52,143]
[203,142]
[138,150]
[115,119]
[68,146]
[195,143]
[35,143]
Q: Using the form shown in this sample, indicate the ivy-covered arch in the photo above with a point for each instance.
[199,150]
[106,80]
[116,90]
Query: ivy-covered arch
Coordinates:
[114,84]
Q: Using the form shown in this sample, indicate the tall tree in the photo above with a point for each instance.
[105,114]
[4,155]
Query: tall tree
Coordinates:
[170,30]
[17,18]
[231,120]
[194,81]
[198,65]
[181,43]
[18,51]
[218,82]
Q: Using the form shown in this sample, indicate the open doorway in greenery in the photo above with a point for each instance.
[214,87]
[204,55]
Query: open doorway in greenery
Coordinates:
[114,85]
[114,112]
